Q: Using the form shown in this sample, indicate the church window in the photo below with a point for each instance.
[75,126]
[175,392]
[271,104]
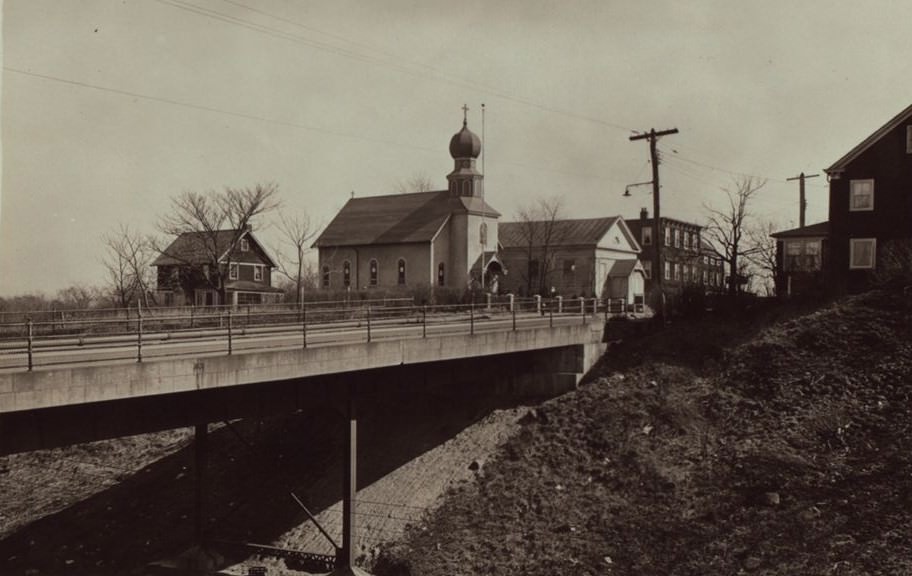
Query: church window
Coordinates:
[466,188]
[483,234]
[374,273]
[401,272]
[346,273]
[441,274]
[325,276]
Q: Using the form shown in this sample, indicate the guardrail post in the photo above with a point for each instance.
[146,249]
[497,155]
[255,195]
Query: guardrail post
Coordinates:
[538,303]
[512,304]
[29,334]
[424,321]
[472,318]
[229,333]
[139,333]
[582,302]
[488,299]
[594,306]
[551,316]
[560,304]
[513,311]
[368,323]
[304,324]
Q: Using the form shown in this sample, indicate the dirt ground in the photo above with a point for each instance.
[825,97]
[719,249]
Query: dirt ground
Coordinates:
[113,507]
[763,445]
[705,449]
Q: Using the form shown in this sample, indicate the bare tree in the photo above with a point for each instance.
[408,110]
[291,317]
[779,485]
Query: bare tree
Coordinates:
[419,182]
[127,259]
[296,233]
[214,223]
[540,229]
[727,228]
[763,256]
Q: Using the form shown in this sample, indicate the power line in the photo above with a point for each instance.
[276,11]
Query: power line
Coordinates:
[214,110]
[408,67]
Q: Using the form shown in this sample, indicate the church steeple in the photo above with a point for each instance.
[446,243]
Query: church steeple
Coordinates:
[465,148]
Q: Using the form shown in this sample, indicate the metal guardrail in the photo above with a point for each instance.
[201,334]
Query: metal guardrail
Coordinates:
[32,343]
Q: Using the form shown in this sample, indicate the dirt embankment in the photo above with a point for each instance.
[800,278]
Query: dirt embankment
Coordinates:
[790,453]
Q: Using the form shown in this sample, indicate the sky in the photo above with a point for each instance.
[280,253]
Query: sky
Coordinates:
[112,107]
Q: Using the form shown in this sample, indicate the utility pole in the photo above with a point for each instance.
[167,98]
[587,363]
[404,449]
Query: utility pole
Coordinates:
[657,239]
[802,204]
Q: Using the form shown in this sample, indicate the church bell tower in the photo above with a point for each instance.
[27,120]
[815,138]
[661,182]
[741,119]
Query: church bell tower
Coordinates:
[465,147]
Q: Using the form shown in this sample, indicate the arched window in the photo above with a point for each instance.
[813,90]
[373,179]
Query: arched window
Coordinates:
[466,188]
[401,269]
[346,273]
[483,234]
[325,276]
[374,273]
[441,274]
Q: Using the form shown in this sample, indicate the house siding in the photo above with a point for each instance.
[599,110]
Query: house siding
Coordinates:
[890,166]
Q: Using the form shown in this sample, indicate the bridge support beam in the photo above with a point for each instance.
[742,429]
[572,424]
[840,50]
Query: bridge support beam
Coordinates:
[200,459]
[345,559]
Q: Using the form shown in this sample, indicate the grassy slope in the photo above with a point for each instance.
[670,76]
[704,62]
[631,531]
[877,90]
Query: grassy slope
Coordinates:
[790,453]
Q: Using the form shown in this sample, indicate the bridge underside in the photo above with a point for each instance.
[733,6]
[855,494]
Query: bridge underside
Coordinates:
[543,372]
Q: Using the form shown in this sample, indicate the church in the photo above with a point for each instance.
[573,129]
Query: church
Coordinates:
[444,238]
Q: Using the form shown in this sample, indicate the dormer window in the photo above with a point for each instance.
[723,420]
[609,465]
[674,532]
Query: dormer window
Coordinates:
[245,245]
[861,195]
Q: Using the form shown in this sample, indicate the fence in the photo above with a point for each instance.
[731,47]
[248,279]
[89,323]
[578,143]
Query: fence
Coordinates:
[117,335]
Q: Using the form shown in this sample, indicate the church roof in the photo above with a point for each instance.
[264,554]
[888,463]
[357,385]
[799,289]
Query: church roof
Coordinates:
[565,232]
[397,218]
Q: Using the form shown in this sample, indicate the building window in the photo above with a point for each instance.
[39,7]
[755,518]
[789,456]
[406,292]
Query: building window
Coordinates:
[647,236]
[679,238]
[245,245]
[258,273]
[374,273]
[233,272]
[802,255]
[569,267]
[677,271]
[861,195]
[325,277]
[667,236]
[401,268]
[668,271]
[861,253]
[483,234]
[647,268]
[441,274]
[909,139]
[466,188]
[705,277]
[346,273]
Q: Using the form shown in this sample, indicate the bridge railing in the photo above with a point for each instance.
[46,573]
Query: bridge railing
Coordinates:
[176,332]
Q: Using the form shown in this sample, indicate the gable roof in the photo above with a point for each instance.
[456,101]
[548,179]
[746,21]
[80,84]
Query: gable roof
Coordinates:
[397,218]
[565,232]
[194,247]
[819,229]
[870,141]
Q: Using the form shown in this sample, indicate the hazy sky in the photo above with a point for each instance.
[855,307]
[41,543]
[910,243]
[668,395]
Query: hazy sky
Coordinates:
[111,107]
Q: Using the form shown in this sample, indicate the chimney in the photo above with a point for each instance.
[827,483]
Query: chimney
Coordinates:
[644,215]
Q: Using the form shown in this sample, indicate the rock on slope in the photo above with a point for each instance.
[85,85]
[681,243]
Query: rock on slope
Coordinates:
[791,455]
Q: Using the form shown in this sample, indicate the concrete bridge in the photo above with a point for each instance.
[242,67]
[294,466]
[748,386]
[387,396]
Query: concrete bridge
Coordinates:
[76,400]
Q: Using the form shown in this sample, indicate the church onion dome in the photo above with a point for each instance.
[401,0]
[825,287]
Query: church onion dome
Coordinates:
[465,144]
